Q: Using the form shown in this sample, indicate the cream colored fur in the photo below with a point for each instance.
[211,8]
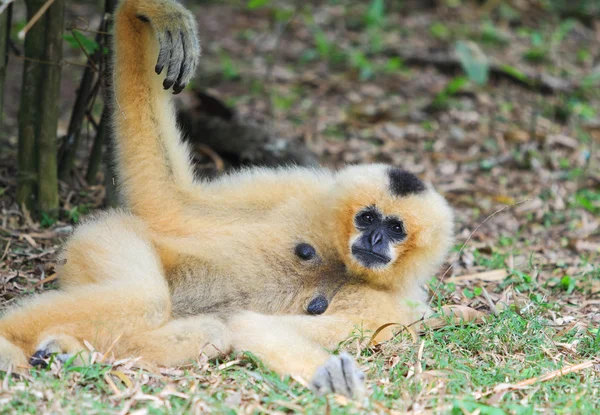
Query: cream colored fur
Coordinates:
[195,266]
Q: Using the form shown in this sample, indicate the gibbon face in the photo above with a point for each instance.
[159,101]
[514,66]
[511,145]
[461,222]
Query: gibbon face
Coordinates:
[373,247]
[389,224]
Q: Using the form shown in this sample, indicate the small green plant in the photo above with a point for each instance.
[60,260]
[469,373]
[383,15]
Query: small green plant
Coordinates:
[589,200]
[74,214]
[375,16]
[568,283]
[46,221]
[538,52]
[228,68]
[474,62]
[257,4]
[490,34]
[439,31]
[454,86]
[359,61]
[78,40]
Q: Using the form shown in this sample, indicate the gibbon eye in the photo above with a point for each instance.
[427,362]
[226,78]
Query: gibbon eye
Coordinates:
[397,228]
[367,217]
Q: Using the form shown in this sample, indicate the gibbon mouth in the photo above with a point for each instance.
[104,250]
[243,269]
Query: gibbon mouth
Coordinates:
[368,258]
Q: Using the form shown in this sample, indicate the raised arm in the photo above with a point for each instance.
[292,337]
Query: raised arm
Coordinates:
[152,37]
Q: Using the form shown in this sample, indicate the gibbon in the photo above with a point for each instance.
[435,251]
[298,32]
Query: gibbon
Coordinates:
[283,263]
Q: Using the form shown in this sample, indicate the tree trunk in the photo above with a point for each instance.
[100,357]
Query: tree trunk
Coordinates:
[29,117]
[39,111]
[5,20]
[96,155]
[50,96]
[112,194]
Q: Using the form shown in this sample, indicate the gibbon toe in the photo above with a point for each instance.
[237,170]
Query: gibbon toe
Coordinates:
[339,375]
[63,347]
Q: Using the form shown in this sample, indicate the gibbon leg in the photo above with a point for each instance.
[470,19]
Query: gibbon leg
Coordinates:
[113,284]
[295,345]
[11,356]
[180,341]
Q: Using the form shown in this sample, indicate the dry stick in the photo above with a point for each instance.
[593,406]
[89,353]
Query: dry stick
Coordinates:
[490,302]
[548,376]
[34,19]
[464,245]
[5,250]
[85,99]
[81,29]
[46,62]
[112,345]
[5,5]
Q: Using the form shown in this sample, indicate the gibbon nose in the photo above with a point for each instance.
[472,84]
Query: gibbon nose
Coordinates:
[376,238]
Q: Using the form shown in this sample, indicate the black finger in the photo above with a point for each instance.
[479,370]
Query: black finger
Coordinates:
[185,66]
[39,359]
[164,53]
[175,62]
[346,372]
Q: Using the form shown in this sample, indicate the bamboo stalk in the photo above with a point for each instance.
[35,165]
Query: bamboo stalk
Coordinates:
[49,110]
[96,154]
[5,21]
[33,75]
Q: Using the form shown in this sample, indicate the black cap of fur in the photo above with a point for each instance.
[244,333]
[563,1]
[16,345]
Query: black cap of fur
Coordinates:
[403,183]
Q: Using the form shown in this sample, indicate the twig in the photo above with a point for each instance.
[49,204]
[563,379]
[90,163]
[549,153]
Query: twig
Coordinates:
[5,250]
[45,62]
[34,19]
[81,29]
[490,302]
[14,47]
[210,153]
[494,275]
[464,245]
[5,4]
[49,278]
[112,345]
[89,58]
[449,62]
[548,376]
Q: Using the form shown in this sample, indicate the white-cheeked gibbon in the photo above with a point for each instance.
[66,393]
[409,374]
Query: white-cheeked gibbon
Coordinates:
[284,263]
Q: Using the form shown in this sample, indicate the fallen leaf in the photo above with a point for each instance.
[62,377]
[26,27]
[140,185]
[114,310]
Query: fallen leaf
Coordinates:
[454,314]
[126,381]
[495,275]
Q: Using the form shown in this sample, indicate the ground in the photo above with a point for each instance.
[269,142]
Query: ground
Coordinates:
[518,162]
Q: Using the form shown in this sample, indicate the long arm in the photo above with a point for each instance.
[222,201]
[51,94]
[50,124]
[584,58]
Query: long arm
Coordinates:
[155,174]
[153,164]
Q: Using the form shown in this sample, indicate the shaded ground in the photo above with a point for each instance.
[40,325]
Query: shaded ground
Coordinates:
[330,75]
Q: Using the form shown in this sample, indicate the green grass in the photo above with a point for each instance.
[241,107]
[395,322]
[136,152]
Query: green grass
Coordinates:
[461,366]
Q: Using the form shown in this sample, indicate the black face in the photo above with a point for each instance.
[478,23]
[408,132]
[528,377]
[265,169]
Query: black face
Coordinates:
[378,234]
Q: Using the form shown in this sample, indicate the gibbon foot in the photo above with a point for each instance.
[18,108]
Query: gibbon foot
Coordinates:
[12,357]
[339,375]
[63,347]
[178,42]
